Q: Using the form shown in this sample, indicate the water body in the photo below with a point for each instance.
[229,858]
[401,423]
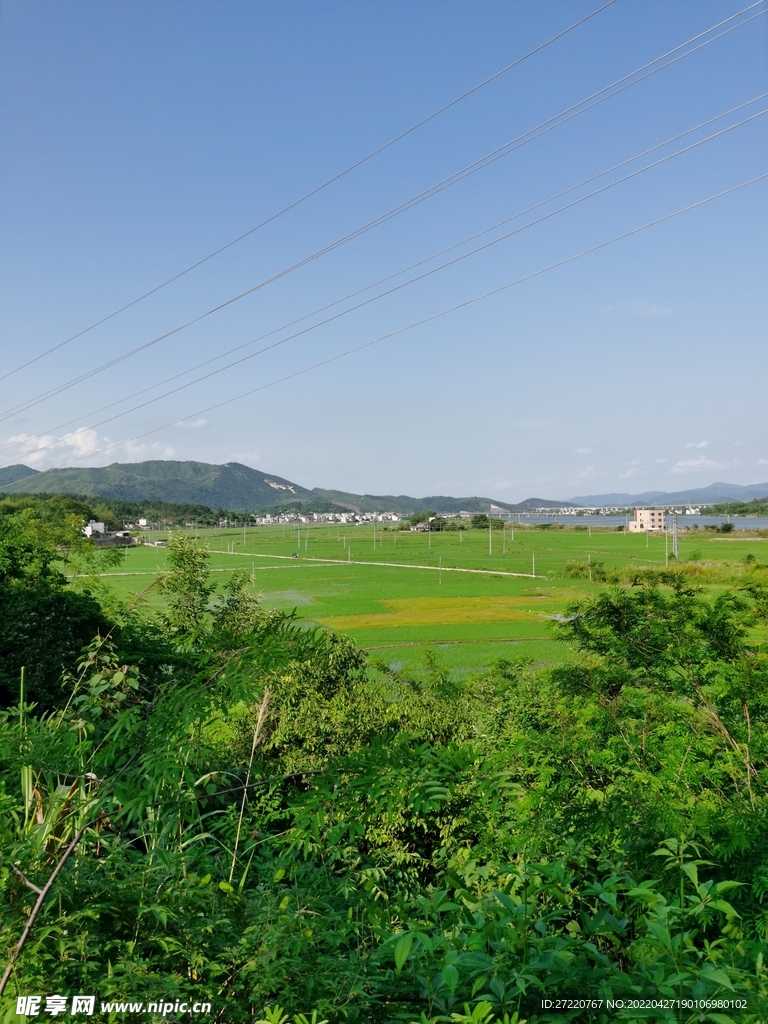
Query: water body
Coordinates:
[683,521]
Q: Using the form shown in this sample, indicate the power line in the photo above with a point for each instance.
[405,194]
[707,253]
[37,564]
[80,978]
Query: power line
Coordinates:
[420,277]
[319,188]
[389,277]
[571,112]
[425,320]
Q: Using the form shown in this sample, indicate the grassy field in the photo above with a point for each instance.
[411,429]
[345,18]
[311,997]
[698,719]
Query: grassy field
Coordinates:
[398,594]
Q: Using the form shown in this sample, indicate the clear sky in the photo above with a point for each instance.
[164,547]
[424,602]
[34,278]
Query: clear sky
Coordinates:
[136,138]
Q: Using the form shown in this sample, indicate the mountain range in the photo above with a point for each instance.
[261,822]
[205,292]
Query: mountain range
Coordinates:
[240,488]
[695,496]
[231,486]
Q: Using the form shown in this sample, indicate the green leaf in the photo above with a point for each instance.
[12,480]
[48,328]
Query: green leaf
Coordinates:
[716,976]
[402,949]
[450,977]
[692,871]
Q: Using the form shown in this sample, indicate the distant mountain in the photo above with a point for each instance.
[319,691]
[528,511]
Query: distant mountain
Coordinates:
[240,488]
[696,496]
[404,503]
[11,474]
[531,503]
[231,486]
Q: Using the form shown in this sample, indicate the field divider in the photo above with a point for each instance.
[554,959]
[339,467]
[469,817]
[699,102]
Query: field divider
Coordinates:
[445,643]
[394,565]
[150,572]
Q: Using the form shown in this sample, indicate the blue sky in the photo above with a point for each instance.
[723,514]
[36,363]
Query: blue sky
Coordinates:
[137,138]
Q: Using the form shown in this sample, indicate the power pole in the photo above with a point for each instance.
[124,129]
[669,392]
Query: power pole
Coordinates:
[441,570]
[675,538]
[533,566]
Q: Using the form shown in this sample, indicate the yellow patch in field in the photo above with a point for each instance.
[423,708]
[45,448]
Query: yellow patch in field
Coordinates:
[448,611]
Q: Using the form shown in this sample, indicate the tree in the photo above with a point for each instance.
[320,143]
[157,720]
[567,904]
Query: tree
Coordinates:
[187,586]
[421,517]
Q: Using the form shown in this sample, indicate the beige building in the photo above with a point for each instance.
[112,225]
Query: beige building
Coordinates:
[647,520]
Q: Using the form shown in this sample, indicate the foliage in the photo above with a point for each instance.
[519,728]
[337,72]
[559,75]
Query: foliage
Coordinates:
[268,821]
[756,507]
[421,517]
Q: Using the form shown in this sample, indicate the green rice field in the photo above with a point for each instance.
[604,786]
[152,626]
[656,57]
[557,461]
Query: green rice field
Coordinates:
[398,594]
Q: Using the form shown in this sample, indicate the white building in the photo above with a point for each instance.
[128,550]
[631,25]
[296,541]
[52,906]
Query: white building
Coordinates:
[94,529]
[647,520]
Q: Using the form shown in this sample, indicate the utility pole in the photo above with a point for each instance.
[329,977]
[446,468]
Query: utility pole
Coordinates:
[533,566]
[441,570]
[666,546]
[490,534]
[675,538]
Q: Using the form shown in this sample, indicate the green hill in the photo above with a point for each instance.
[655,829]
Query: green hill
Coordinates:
[404,503]
[10,474]
[231,486]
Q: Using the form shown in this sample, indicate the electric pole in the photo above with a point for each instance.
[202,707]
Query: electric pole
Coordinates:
[675,538]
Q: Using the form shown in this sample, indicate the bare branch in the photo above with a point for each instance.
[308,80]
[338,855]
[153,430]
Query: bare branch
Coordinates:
[24,879]
[39,904]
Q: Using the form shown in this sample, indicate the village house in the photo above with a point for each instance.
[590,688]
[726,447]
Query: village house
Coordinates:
[647,520]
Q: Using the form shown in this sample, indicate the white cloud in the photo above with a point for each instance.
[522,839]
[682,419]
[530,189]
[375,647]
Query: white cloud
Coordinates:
[697,444]
[587,473]
[192,424]
[583,451]
[84,446]
[762,462]
[634,468]
[699,465]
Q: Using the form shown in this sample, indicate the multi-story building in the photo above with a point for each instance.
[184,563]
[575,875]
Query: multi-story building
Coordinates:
[647,520]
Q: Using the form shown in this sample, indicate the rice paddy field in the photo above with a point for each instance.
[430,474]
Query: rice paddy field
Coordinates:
[401,594]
